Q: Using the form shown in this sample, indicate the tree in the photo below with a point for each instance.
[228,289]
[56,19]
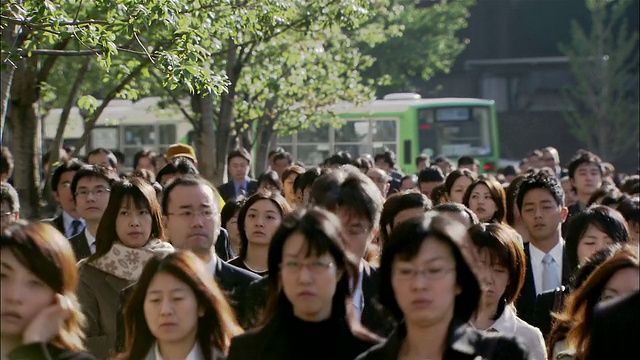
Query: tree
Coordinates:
[602,108]
[421,43]
[127,36]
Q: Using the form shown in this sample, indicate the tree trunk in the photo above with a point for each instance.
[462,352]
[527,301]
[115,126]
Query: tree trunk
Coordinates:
[223,135]
[265,138]
[205,139]
[25,128]
[9,35]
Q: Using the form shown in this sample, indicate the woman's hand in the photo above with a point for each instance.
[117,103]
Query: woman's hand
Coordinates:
[48,322]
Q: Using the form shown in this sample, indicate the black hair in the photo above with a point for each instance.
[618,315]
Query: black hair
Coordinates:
[458,208]
[584,157]
[408,199]
[307,178]
[69,165]
[113,161]
[283,155]
[271,178]
[178,165]
[188,180]
[93,171]
[231,208]
[431,174]
[241,153]
[388,156]
[142,154]
[467,160]
[540,180]
[405,242]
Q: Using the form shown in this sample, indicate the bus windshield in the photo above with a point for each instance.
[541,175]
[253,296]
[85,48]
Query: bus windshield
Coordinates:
[455,131]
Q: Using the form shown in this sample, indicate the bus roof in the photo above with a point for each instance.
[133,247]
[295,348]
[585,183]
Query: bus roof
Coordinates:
[382,106]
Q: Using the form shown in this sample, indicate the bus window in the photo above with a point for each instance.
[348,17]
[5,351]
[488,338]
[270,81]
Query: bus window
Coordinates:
[456,131]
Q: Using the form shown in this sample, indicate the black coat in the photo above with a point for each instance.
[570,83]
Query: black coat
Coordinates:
[463,343]
[228,190]
[45,351]
[289,338]
[373,317]
[526,302]
[80,246]
[57,222]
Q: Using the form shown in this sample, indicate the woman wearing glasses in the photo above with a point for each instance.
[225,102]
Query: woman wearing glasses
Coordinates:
[428,282]
[309,275]
[130,233]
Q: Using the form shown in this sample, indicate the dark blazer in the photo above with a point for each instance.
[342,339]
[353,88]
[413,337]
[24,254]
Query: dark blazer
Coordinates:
[80,246]
[228,191]
[464,343]
[615,330]
[223,246]
[546,303]
[526,302]
[288,338]
[46,351]
[374,317]
[58,223]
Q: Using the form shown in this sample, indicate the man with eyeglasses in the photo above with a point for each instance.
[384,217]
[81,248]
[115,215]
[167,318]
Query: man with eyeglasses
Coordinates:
[191,217]
[9,204]
[69,222]
[91,187]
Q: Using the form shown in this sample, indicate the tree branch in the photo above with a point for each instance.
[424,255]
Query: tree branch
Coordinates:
[91,122]
[176,101]
[29,24]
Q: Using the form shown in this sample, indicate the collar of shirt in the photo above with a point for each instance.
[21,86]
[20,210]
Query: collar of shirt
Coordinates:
[67,220]
[212,264]
[243,185]
[506,323]
[556,253]
[91,240]
[194,354]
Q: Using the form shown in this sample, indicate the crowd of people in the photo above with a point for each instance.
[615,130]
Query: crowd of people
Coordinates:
[350,259]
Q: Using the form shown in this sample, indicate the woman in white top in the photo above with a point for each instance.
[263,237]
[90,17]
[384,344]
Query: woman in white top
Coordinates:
[505,262]
[177,312]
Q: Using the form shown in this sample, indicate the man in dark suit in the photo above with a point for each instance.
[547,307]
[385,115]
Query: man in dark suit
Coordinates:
[69,222]
[91,188]
[191,217]
[239,164]
[616,329]
[540,199]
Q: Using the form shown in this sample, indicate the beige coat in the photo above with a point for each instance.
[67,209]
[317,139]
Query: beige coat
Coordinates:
[98,294]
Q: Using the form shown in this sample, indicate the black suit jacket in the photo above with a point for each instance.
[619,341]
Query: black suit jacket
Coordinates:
[58,223]
[374,317]
[228,191]
[526,303]
[615,330]
[80,246]
[463,343]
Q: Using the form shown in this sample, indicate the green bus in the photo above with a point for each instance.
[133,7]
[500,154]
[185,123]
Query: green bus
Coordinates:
[408,125]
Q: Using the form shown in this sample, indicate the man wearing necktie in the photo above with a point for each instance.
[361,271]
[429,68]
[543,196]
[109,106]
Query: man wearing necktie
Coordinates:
[540,200]
[69,221]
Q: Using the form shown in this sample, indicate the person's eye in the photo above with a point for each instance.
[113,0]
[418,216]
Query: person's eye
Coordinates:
[144,212]
[123,213]
[251,216]
[435,271]
[292,264]
[154,301]
[99,192]
[3,275]
[207,213]
[589,243]
[177,299]
[405,272]
[186,214]
[36,283]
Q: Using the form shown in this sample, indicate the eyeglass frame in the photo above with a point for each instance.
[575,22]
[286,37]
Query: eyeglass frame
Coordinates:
[424,273]
[316,267]
[185,214]
[98,192]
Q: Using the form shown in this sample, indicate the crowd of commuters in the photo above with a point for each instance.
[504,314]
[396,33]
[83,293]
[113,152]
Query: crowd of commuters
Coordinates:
[350,259]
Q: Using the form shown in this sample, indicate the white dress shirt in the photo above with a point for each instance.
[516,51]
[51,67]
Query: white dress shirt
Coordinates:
[91,241]
[537,266]
[358,297]
[211,265]
[509,324]
[194,354]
